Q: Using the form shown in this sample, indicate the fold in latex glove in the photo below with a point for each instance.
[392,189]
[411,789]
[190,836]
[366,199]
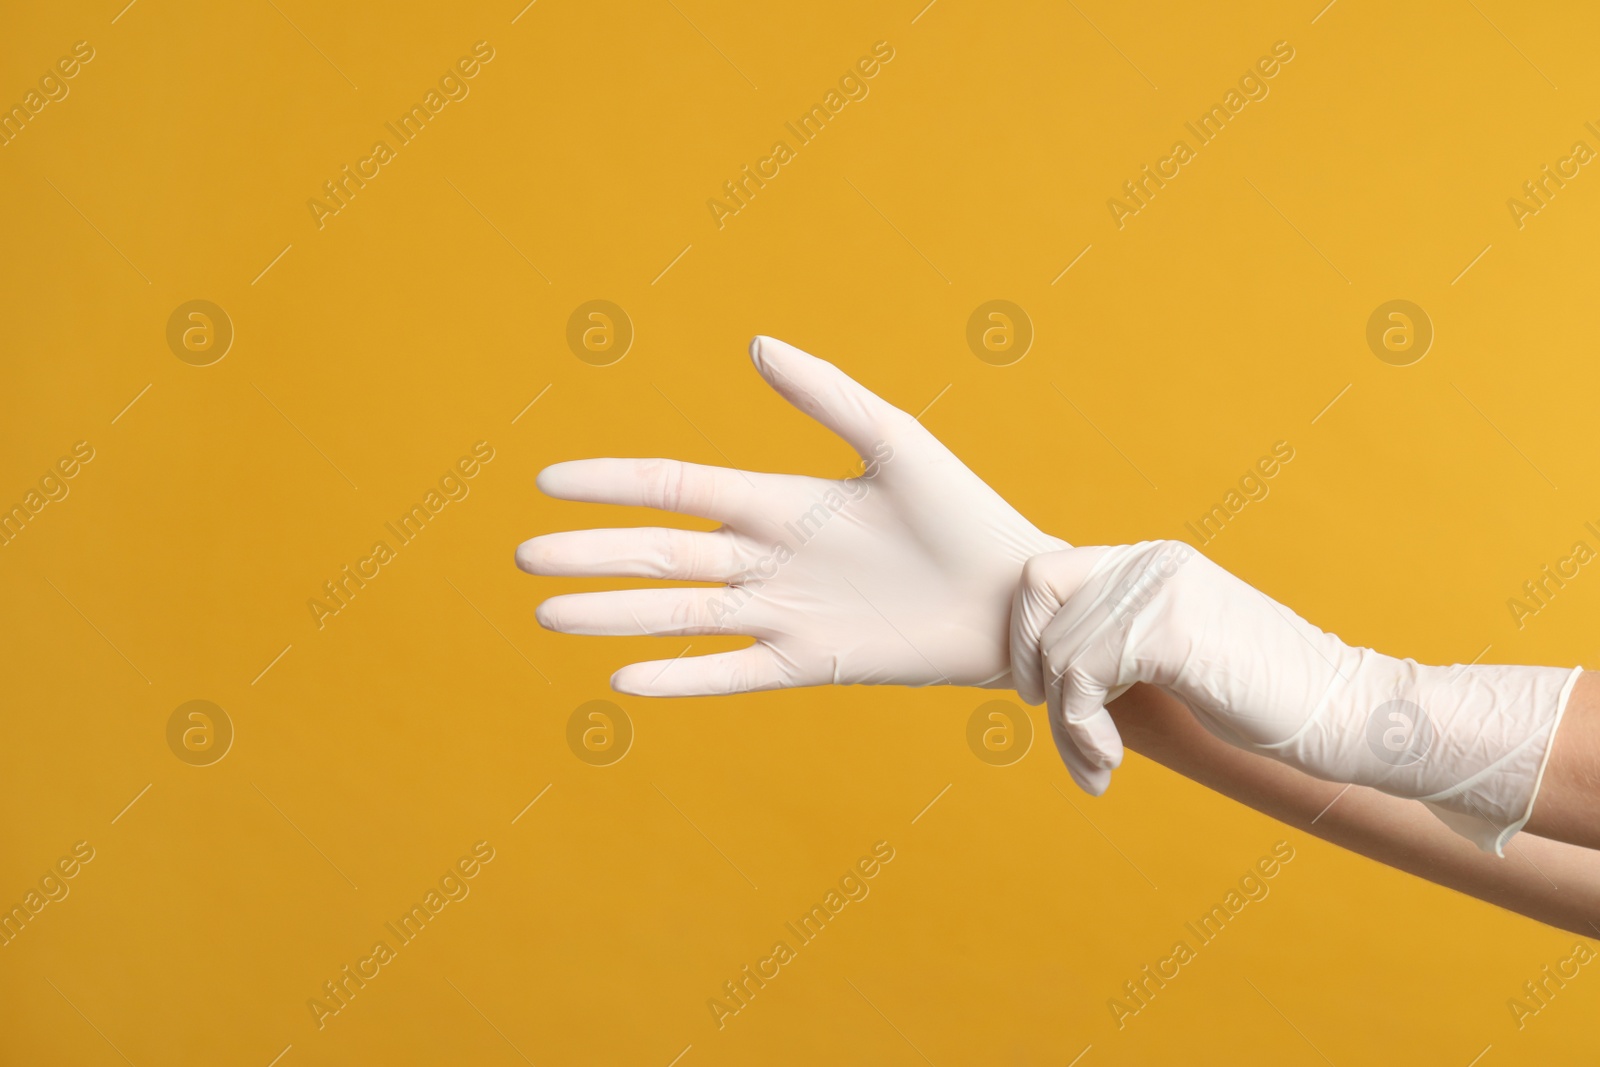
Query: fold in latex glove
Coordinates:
[1469,741]
[902,575]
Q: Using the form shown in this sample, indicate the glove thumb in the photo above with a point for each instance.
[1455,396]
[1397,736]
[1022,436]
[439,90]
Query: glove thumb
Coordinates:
[1048,580]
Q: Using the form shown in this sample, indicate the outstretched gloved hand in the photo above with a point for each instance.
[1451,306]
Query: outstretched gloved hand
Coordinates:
[1470,741]
[901,575]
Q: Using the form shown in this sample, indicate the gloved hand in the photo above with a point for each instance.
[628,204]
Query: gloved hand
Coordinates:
[902,575]
[1470,741]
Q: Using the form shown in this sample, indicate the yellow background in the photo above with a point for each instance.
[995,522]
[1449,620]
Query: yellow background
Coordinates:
[427,714]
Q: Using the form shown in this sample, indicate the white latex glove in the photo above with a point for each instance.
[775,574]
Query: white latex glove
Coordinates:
[1469,741]
[902,575]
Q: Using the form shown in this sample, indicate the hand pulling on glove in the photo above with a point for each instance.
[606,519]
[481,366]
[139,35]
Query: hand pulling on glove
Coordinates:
[1469,741]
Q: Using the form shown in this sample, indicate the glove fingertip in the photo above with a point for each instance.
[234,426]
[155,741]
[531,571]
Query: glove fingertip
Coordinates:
[532,556]
[626,681]
[1103,739]
[553,479]
[1030,689]
[1092,780]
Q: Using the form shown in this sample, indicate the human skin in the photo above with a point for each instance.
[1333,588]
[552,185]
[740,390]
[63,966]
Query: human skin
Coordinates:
[1568,805]
[1553,881]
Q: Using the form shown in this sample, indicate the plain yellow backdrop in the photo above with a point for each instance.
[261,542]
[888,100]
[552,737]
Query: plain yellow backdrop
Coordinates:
[372,352]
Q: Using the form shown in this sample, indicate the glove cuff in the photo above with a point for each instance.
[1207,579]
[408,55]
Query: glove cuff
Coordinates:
[1494,804]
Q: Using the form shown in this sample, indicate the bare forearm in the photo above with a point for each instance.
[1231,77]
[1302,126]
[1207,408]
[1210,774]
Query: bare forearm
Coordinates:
[1551,881]
[1568,805]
